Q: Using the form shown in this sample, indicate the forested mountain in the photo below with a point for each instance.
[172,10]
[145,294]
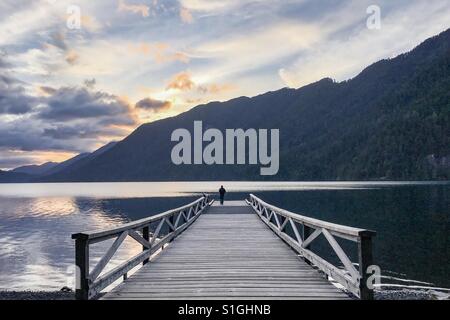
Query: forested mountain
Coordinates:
[14,177]
[392,121]
[46,171]
[73,164]
[36,169]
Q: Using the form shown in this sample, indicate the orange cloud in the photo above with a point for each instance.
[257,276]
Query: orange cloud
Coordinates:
[160,51]
[90,23]
[216,88]
[41,157]
[134,8]
[194,101]
[153,105]
[72,57]
[186,15]
[142,48]
[181,81]
[180,56]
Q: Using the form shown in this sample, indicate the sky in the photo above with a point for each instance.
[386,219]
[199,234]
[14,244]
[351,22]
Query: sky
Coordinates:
[75,75]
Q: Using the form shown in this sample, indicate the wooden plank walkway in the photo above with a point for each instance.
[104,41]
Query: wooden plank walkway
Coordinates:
[227,253]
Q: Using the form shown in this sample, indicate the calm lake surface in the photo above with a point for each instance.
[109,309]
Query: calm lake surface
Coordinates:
[37,220]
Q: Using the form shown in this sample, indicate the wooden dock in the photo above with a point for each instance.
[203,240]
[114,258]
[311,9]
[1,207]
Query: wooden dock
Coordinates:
[229,252]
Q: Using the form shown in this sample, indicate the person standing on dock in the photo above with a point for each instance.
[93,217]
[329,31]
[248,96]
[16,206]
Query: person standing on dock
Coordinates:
[222,192]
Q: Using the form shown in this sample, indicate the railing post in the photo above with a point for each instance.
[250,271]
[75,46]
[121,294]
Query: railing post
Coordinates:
[172,221]
[365,260]
[82,268]
[306,233]
[146,236]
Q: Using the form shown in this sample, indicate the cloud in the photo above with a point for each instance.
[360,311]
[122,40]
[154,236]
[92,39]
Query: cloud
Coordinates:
[58,40]
[86,131]
[12,158]
[73,103]
[54,55]
[181,81]
[341,56]
[214,5]
[13,28]
[142,9]
[160,51]
[66,119]
[15,102]
[235,47]
[90,83]
[259,47]
[72,57]
[46,91]
[13,97]
[154,105]
[182,57]
[186,15]
[216,88]
[90,23]
[3,63]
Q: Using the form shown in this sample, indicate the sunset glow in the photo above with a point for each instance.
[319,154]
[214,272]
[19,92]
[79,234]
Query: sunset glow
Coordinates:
[65,90]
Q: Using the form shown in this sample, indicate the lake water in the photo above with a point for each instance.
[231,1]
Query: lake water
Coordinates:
[37,220]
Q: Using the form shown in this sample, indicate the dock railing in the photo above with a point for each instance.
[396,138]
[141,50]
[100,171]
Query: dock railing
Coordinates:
[305,230]
[89,283]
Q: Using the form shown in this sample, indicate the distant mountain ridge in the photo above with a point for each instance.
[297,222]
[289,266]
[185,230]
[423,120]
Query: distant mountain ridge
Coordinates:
[44,172]
[14,177]
[71,165]
[392,121]
[36,169]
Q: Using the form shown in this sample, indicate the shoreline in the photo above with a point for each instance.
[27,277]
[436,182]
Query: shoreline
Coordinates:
[62,295]
[37,295]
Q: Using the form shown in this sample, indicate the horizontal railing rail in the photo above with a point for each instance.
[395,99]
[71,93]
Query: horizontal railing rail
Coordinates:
[90,283]
[305,230]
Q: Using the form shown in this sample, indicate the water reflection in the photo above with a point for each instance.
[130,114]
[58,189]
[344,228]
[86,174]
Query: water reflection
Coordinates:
[37,253]
[176,189]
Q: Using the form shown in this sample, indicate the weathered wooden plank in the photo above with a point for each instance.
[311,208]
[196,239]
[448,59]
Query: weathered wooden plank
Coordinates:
[209,295]
[200,298]
[226,281]
[225,256]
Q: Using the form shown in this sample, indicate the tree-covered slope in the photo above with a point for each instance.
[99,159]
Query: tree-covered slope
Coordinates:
[389,122]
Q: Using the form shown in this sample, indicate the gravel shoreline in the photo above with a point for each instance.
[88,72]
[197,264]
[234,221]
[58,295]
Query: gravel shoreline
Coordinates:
[36,295]
[379,295]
